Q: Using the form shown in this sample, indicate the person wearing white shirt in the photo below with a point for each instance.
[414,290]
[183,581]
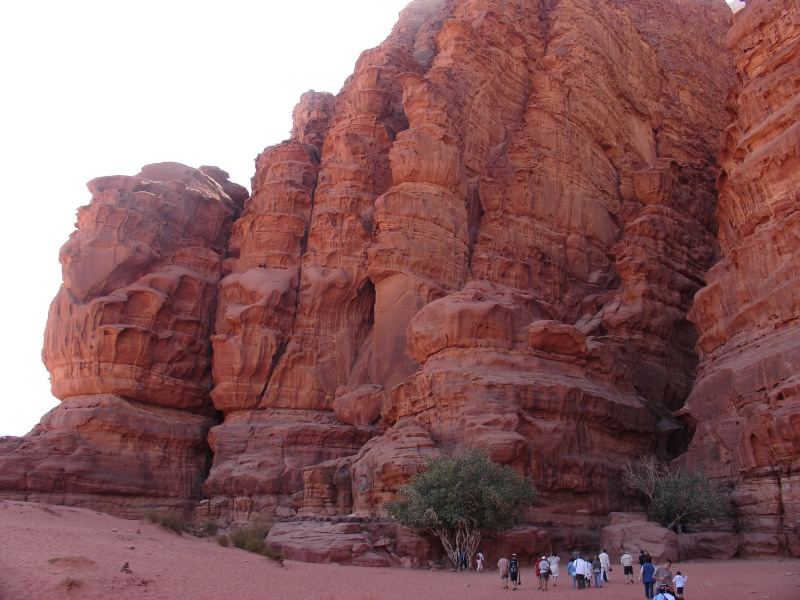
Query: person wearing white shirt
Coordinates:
[582,569]
[605,565]
[554,560]
[626,560]
[680,582]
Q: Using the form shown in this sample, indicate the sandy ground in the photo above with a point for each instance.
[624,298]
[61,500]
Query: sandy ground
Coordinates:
[54,552]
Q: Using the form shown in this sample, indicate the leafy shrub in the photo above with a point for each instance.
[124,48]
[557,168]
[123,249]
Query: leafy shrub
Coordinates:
[223,540]
[675,495]
[272,553]
[458,498]
[252,538]
[168,520]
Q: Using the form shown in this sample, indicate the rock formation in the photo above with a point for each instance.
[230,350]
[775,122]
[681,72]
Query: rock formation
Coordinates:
[745,405]
[127,346]
[490,237]
[633,532]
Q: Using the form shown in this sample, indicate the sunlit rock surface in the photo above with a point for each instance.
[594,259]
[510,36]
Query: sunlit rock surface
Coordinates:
[491,237]
[128,346]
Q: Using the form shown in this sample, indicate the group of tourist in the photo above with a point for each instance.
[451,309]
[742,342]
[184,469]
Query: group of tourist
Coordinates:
[510,571]
[591,571]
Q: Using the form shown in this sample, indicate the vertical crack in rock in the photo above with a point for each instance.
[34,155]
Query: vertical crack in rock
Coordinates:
[745,403]
[262,453]
[582,222]
[258,295]
[311,121]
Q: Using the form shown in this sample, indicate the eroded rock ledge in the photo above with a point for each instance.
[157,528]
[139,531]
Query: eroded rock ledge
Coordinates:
[746,400]
[492,237]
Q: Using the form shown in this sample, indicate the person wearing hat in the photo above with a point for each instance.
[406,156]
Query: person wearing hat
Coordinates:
[544,573]
[513,572]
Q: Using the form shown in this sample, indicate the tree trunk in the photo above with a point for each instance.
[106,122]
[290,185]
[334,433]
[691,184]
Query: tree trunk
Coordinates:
[462,537]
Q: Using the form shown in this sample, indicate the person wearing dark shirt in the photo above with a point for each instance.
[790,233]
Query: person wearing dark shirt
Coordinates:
[646,576]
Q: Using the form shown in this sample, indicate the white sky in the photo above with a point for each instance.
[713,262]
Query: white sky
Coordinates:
[91,88]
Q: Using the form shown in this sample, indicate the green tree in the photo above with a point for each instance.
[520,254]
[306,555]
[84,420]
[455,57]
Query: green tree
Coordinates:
[458,498]
[675,494]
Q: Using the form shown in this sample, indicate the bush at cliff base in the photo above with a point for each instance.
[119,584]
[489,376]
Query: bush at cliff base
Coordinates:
[675,495]
[459,498]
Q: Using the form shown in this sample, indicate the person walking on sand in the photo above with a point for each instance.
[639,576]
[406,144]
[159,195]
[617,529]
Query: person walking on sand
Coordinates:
[605,564]
[463,562]
[663,573]
[502,566]
[571,573]
[581,569]
[597,572]
[513,572]
[647,577]
[587,572]
[554,560]
[544,573]
[680,582]
[479,560]
[626,560]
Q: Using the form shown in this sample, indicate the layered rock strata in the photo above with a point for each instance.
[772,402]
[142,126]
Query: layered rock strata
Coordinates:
[745,405]
[127,345]
[266,440]
[490,237]
[492,240]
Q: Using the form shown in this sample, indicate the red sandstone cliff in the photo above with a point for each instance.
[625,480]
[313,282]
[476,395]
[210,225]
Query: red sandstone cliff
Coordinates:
[127,346]
[491,237]
[492,240]
[746,400]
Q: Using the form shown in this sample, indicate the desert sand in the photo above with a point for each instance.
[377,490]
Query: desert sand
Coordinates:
[55,552]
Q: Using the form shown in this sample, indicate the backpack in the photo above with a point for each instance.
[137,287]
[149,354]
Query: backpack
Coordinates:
[512,568]
[544,567]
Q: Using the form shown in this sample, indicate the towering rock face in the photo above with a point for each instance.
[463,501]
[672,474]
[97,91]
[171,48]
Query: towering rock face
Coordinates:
[746,401]
[490,238]
[127,345]
[264,443]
